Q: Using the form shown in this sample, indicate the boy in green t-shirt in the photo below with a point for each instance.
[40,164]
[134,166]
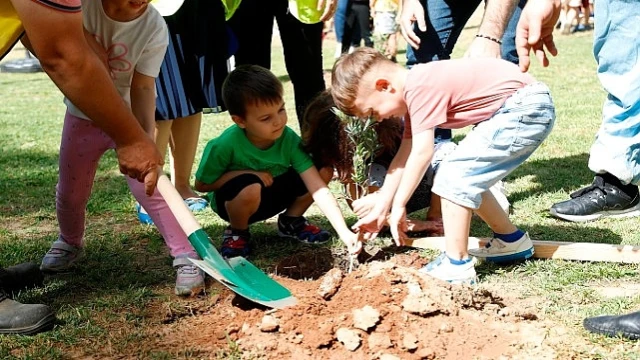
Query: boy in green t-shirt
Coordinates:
[256,168]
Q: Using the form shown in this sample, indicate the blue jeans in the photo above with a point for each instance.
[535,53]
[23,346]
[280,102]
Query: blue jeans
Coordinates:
[496,147]
[616,46]
[445,21]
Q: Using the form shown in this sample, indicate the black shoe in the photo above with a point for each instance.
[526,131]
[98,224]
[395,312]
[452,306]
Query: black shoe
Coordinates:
[600,199]
[24,319]
[622,325]
[21,276]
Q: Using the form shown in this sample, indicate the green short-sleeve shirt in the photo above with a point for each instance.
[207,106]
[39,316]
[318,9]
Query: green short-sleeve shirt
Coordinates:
[233,151]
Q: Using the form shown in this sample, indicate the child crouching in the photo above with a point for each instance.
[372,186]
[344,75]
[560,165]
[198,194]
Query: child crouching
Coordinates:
[256,168]
[511,115]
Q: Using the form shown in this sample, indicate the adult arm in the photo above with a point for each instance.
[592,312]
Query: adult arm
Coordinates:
[535,31]
[58,39]
[329,207]
[328,8]
[143,101]
[497,14]
[411,11]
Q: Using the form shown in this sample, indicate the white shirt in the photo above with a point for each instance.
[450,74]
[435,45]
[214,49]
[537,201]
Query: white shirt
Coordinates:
[136,45]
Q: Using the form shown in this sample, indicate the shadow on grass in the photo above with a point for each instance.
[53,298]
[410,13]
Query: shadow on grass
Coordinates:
[551,175]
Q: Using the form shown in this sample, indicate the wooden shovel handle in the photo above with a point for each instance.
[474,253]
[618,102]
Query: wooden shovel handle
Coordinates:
[176,204]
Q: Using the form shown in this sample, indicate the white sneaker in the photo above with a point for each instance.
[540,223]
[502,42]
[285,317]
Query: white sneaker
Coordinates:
[442,268]
[501,251]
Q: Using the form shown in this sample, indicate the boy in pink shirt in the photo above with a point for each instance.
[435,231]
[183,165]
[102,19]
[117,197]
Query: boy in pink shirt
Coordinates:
[511,113]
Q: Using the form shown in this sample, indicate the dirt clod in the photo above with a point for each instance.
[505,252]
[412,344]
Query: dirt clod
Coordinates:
[365,318]
[349,338]
[330,284]
[269,324]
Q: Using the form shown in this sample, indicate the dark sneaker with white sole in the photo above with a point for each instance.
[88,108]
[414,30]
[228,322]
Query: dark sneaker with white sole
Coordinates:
[598,200]
[301,229]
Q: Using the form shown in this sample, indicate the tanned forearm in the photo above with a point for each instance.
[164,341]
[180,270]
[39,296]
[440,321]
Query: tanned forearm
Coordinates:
[67,58]
[497,14]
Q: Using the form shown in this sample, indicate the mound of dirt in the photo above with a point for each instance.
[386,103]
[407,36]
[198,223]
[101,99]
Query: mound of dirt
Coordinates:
[383,310]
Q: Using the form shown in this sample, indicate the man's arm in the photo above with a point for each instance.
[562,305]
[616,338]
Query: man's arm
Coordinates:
[143,101]
[497,14]
[58,39]
[535,31]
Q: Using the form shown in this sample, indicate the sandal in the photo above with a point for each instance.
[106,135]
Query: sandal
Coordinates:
[196,204]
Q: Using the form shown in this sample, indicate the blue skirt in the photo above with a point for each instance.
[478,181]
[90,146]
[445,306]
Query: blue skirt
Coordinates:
[195,64]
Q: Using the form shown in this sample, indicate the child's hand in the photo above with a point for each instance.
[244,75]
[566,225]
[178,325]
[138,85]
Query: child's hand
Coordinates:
[363,206]
[265,177]
[398,224]
[371,224]
[354,243]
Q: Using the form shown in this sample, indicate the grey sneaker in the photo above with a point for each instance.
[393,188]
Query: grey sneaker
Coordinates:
[60,257]
[189,279]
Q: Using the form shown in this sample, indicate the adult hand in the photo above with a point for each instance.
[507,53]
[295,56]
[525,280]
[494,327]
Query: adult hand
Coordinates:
[433,226]
[535,31]
[412,12]
[329,7]
[141,160]
[363,206]
[481,47]
[398,224]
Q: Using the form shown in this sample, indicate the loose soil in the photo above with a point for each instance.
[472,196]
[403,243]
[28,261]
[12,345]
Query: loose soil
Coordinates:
[381,310]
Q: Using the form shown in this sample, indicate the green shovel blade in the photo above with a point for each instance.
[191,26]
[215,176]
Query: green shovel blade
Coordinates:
[239,275]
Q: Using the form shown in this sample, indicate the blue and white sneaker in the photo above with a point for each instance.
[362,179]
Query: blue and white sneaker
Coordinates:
[499,251]
[442,268]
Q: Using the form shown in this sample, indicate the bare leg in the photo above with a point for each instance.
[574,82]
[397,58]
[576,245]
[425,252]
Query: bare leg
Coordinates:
[492,213]
[163,133]
[456,220]
[184,134]
[241,207]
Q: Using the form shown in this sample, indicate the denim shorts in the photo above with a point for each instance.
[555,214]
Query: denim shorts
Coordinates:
[495,147]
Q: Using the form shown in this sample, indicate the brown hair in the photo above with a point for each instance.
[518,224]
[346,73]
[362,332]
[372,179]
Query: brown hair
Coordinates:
[347,73]
[250,85]
[327,142]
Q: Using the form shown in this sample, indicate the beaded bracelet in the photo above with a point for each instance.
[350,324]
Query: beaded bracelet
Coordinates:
[497,41]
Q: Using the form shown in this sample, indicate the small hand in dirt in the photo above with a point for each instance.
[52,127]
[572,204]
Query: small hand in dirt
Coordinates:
[433,226]
[265,177]
[398,224]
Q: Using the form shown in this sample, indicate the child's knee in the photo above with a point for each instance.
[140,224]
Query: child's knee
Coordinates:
[250,195]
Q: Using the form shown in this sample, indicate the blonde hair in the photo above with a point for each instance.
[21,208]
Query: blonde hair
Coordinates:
[348,72]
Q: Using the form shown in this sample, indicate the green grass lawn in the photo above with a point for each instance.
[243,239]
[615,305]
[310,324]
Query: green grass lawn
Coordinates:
[127,271]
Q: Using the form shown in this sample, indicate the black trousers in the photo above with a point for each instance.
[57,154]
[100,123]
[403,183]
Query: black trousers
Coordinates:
[302,43]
